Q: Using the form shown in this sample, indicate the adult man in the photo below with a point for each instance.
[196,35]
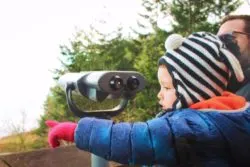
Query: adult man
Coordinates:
[239,27]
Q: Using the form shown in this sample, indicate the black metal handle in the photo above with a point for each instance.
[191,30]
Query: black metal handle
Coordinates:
[95,113]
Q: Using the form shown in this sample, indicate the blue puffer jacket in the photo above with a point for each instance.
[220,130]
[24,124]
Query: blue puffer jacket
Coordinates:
[185,137]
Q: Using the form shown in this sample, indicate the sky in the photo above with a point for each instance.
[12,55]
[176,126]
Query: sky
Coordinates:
[31,32]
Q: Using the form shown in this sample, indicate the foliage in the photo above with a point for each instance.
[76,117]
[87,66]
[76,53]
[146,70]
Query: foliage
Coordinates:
[13,144]
[55,108]
[192,15]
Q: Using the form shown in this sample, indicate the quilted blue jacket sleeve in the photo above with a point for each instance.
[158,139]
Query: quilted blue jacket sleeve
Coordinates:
[127,143]
[180,137]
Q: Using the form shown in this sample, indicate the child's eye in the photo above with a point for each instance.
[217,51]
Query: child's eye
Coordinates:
[167,88]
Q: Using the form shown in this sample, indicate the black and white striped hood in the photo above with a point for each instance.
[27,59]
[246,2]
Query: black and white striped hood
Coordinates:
[200,66]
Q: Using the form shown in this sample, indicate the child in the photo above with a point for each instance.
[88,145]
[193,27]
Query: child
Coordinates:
[204,125]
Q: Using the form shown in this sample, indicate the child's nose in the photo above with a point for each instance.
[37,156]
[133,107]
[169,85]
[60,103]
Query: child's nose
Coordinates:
[159,95]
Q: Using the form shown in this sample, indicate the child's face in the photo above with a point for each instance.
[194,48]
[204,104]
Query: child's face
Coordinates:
[166,94]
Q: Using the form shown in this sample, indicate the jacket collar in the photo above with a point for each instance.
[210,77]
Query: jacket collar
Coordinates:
[227,102]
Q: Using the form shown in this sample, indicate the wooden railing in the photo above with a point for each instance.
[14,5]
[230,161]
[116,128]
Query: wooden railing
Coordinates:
[68,156]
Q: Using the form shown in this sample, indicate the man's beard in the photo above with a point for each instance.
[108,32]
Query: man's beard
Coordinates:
[244,60]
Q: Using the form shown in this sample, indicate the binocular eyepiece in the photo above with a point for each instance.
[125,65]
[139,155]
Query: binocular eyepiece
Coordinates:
[100,85]
[116,83]
[133,83]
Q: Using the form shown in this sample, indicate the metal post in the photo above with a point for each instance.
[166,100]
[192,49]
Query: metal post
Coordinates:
[97,161]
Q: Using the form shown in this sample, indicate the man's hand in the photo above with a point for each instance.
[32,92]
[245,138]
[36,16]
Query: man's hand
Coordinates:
[60,131]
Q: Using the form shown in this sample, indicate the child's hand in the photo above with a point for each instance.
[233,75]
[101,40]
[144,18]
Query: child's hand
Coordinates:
[60,131]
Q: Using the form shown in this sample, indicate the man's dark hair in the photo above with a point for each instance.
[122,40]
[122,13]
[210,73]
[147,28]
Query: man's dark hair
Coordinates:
[245,18]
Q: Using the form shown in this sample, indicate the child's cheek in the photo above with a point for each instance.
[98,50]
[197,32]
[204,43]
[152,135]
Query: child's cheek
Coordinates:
[169,98]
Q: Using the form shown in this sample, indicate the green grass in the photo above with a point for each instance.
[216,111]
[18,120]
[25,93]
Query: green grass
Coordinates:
[22,142]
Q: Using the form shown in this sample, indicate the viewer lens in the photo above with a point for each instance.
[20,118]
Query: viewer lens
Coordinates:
[133,83]
[116,83]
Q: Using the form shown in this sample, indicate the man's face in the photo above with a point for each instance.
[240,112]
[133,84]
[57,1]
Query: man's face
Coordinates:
[243,40]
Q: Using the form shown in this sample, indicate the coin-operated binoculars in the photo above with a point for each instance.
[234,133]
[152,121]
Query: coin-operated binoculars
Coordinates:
[98,86]
[101,85]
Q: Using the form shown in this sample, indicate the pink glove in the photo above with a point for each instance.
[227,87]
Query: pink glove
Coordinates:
[60,131]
